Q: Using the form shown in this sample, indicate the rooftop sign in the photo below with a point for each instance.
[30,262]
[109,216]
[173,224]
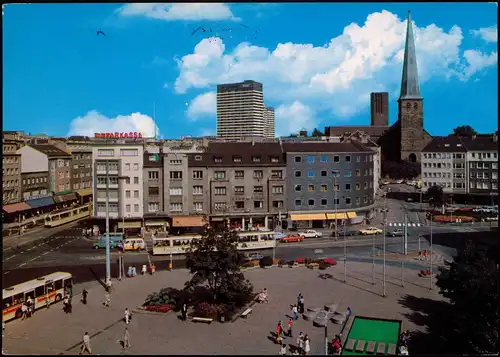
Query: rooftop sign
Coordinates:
[117,135]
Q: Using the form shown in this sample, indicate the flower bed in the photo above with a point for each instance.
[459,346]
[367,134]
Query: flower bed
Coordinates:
[329,261]
[158,308]
[300,260]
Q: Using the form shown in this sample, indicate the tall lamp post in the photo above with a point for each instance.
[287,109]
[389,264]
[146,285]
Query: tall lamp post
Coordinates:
[385,233]
[345,251]
[108,250]
[335,203]
[430,262]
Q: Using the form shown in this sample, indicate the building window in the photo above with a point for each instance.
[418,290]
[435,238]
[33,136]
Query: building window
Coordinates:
[494,165]
[218,159]
[347,158]
[220,191]
[256,159]
[153,207]
[176,207]
[324,188]
[127,208]
[277,174]
[310,188]
[365,199]
[175,162]
[105,152]
[176,175]
[127,180]
[127,194]
[357,201]
[310,202]
[336,158]
[310,159]
[274,159]
[136,193]
[136,167]
[129,152]
[258,174]
[347,173]
[198,206]
[336,173]
[310,173]
[239,174]
[358,186]
[278,204]
[358,158]
[153,175]
[347,200]
[197,175]
[258,204]
[298,203]
[277,190]
[324,173]
[136,208]
[197,157]
[323,158]
[494,185]
[258,189]
[153,191]
[298,159]
[237,158]
[239,205]
[324,202]
[175,191]
[136,180]
[365,185]
[239,190]
[348,187]
[336,187]
[298,188]
[197,190]
[298,173]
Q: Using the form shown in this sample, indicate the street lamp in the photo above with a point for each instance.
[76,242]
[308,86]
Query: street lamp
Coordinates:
[430,284]
[345,251]
[335,203]
[385,232]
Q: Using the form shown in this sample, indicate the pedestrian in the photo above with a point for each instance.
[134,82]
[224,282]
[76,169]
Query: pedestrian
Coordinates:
[84,296]
[419,255]
[298,301]
[184,312]
[294,310]
[349,311]
[307,345]
[127,316]
[144,269]
[3,329]
[66,304]
[302,303]
[107,298]
[24,311]
[126,338]
[279,329]
[153,269]
[290,324]
[86,344]
[300,342]
[283,350]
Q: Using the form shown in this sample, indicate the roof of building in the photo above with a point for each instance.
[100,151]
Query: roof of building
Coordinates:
[410,88]
[445,144]
[309,147]
[375,131]
[50,150]
[226,152]
[481,143]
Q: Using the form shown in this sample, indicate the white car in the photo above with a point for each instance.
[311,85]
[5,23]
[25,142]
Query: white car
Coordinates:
[310,233]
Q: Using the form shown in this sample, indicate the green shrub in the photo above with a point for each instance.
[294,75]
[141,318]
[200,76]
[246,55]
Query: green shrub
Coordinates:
[266,261]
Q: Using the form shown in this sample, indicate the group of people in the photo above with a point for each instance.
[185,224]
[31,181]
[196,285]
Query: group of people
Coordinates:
[262,297]
[404,339]
[27,308]
[337,346]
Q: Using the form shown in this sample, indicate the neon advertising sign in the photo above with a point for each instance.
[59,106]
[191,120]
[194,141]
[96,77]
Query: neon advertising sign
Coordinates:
[117,135]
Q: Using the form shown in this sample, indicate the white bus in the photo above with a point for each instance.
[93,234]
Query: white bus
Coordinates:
[247,241]
[49,287]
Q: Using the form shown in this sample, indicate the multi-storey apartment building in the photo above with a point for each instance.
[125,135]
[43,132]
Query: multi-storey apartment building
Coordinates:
[462,165]
[240,110]
[81,170]
[327,182]
[11,164]
[118,177]
[243,184]
[269,122]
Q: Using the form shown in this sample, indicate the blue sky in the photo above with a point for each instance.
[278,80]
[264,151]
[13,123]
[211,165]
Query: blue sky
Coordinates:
[318,63]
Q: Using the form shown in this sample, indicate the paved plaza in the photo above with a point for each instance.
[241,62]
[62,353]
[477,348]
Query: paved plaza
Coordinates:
[54,332]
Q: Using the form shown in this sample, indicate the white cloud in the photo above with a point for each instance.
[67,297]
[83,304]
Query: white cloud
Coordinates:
[207,132]
[203,105]
[336,77]
[291,118]
[181,11]
[488,34]
[476,61]
[95,122]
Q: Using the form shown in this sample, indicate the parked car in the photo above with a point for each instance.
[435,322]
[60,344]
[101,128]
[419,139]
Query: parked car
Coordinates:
[397,233]
[341,233]
[254,256]
[370,231]
[292,238]
[310,233]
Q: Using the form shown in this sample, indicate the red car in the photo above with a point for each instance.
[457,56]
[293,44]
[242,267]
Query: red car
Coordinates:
[292,238]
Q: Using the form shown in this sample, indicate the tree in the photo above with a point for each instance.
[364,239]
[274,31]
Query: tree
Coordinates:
[317,133]
[436,196]
[214,259]
[464,130]
[471,285]
[400,170]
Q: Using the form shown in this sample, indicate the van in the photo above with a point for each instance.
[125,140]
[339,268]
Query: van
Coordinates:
[115,241]
[134,244]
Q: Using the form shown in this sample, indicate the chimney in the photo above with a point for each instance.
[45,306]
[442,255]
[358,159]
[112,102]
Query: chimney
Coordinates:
[474,136]
[495,137]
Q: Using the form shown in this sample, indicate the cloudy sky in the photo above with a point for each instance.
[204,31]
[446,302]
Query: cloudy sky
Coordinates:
[318,63]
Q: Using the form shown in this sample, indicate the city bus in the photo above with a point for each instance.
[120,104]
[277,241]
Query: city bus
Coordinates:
[51,287]
[67,215]
[246,241]
[115,240]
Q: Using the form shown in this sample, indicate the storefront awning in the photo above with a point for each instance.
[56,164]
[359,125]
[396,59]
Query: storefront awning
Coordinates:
[308,217]
[135,224]
[84,192]
[156,223]
[188,221]
[341,215]
[216,219]
[351,215]
[64,198]
[40,202]
[16,207]
[65,192]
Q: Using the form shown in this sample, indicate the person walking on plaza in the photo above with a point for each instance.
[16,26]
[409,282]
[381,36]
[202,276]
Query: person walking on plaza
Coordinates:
[298,303]
[24,311]
[126,338]
[302,303]
[294,311]
[283,350]
[107,299]
[66,304]
[279,332]
[290,324]
[84,297]
[184,312]
[86,344]
[300,342]
[127,316]
[307,345]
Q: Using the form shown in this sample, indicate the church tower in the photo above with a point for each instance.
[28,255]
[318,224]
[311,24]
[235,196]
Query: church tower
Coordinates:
[411,110]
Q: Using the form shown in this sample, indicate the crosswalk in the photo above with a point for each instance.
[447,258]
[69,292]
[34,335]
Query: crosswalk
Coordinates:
[402,224]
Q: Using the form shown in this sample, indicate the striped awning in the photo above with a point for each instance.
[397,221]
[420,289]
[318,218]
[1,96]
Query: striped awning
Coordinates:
[16,207]
[84,192]
[351,215]
[341,215]
[188,221]
[308,217]
[134,224]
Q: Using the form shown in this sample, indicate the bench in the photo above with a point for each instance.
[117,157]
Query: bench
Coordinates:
[391,350]
[349,346]
[370,347]
[360,347]
[203,319]
[381,348]
[246,313]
